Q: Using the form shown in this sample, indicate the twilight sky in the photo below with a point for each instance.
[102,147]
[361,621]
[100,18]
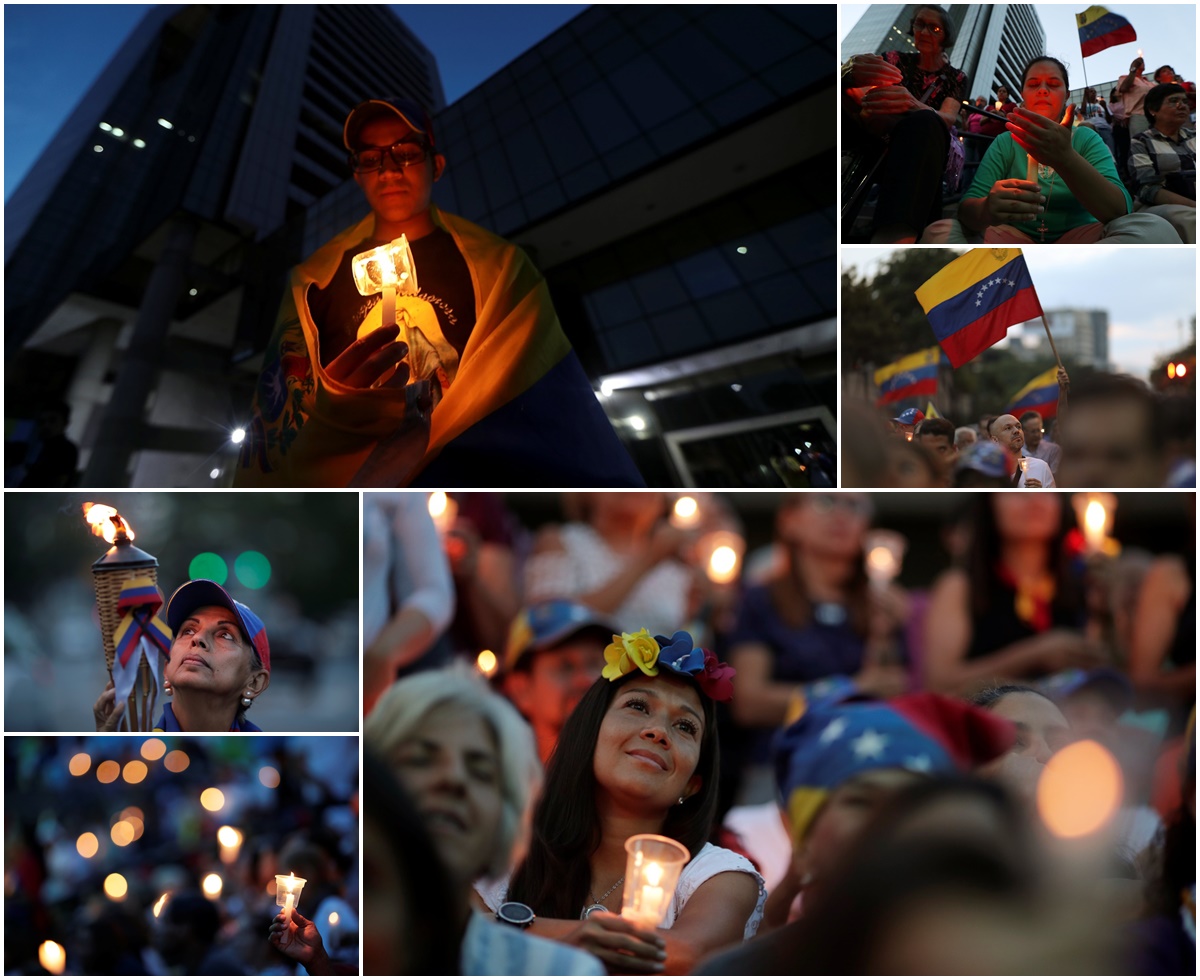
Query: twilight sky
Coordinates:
[53,53]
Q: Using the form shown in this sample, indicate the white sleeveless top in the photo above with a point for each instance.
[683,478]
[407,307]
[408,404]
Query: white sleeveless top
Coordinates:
[711,860]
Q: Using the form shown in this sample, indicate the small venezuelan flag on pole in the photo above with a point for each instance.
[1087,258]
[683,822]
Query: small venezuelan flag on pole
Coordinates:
[1100,28]
[908,377]
[973,301]
[1040,395]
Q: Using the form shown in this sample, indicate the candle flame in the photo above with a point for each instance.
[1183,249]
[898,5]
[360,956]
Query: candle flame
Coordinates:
[437,503]
[158,906]
[686,507]
[486,662]
[106,522]
[1095,519]
[653,874]
[52,957]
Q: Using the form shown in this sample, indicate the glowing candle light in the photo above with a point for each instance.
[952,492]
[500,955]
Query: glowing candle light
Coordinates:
[287,893]
[487,663]
[444,510]
[230,839]
[721,552]
[389,270]
[1095,513]
[884,552]
[652,870]
[52,957]
[686,513]
[212,886]
[158,906]
[1080,790]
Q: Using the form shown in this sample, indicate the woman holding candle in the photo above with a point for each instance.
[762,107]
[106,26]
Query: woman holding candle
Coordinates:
[1015,609]
[817,618]
[219,663]
[637,756]
[1044,181]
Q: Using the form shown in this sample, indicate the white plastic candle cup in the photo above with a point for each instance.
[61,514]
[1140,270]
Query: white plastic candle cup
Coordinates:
[652,868]
[387,265]
[287,893]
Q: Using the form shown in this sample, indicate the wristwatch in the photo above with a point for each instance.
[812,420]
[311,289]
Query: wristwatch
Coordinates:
[515,914]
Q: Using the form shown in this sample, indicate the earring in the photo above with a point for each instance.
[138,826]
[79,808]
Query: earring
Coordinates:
[247,700]
[681,801]
[167,688]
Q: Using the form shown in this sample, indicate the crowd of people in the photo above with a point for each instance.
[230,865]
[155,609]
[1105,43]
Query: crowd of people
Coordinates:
[859,772]
[157,856]
[1110,430]
[1052,171]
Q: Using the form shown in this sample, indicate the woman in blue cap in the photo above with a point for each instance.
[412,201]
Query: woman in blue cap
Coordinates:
[219,663]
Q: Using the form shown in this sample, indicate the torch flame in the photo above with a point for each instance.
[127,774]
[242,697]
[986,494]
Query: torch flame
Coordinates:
[106,522]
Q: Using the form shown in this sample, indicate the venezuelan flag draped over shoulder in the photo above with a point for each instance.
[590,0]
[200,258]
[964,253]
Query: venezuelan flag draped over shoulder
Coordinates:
[1100,28]
[1040,395]
[908,377]
[973,301]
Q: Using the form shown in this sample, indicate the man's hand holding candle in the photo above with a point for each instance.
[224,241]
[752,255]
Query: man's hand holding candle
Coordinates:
[373,361]
[300,940]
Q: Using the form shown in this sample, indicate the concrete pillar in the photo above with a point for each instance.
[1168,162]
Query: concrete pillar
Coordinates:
[124,420]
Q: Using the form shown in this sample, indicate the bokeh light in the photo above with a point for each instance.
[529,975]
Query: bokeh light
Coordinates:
[486,662]
[134,817]
[438,502]
[229,836]
[209,565]
[80,763]
[177,760]
[122,833]
[212,799]
[135,771]
[252,569]
[158,906]
[269,777]
[87,845]
[1080,790]
[116,887]
[212,885]
[108,771]
[52,957]
[686,508]
[153,749]
[722,564]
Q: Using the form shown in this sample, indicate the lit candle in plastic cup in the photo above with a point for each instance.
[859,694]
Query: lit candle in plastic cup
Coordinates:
[1095,513]
[651,872]
[287,893]
[884,552]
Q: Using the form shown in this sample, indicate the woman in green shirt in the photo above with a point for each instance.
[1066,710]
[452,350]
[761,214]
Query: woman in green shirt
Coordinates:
[1044,181]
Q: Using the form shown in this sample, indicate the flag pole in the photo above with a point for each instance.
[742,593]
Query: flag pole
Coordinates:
[1050,338]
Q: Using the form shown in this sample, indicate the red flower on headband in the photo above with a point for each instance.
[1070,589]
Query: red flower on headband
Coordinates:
[716,680]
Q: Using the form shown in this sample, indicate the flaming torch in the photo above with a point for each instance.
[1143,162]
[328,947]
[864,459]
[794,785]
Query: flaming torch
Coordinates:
[128,600]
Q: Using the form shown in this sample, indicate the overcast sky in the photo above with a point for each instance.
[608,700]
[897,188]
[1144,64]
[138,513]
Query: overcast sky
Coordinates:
[1166,35]
[1150,293]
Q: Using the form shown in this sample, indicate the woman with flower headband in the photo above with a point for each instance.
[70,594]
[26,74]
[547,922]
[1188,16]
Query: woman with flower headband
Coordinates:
[637,756]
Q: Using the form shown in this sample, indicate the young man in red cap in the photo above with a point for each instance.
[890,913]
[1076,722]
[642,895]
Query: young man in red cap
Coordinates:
[476,383]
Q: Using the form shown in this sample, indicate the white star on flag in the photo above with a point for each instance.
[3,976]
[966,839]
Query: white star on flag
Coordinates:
[869,745]
[833,731]
[919,763]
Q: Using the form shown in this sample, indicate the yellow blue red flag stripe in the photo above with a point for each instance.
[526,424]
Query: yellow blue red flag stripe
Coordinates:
[973,301]
[908,377]
[1100,28]
[1040,395]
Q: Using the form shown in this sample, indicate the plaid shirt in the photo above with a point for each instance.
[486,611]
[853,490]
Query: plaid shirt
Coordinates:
[1155,161]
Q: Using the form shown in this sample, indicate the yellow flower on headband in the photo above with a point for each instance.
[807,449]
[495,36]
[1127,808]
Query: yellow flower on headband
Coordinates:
[629,652]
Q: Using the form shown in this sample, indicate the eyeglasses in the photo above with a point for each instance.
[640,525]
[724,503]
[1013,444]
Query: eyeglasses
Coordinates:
[405,153]
[928,27]
[1176,100]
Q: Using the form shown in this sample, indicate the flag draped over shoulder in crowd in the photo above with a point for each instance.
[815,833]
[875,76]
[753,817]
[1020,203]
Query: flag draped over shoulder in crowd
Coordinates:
[908,377]
[973,301]
[1100,28]
[1040,395]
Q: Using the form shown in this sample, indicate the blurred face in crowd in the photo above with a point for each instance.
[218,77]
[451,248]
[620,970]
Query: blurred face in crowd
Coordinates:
[1041,731]
[963,437]
[648,746]
[847,810]
[1107,444]
[831,524]
[1027,516]
[1033,429]
[638,509]
[1165,75]
[1045,90]
[942,446]
[556,679]
[1007,431]
[451,768]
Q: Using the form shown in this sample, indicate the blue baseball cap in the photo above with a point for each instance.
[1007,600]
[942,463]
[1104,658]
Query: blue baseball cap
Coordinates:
[203,592]
[987,458]
[545,624]
[910,416]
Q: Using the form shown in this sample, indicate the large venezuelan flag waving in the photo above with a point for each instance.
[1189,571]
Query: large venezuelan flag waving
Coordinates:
[1040,395]
[908,377]
[973,301]
[1100,28]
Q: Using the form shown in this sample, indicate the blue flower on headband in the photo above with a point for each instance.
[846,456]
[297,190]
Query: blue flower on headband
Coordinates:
[673,653]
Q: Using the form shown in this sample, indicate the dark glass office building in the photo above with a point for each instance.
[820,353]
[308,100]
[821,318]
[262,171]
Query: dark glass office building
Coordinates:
[153,233]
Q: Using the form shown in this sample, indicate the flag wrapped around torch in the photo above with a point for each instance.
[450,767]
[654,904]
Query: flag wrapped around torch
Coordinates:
[128,601]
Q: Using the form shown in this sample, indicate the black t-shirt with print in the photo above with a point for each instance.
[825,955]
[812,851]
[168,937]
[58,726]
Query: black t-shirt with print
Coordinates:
[443,279]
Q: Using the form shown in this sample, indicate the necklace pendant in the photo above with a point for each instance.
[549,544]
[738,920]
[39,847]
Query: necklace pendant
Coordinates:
[589,909]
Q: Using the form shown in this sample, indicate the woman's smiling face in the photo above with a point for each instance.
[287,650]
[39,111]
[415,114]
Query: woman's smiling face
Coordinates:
[1045,90]
[649,742]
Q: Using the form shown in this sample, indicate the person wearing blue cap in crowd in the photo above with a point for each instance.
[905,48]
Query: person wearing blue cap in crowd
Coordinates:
[639,755]
[906,422]
[838,764]
[555,650]
[219,663]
